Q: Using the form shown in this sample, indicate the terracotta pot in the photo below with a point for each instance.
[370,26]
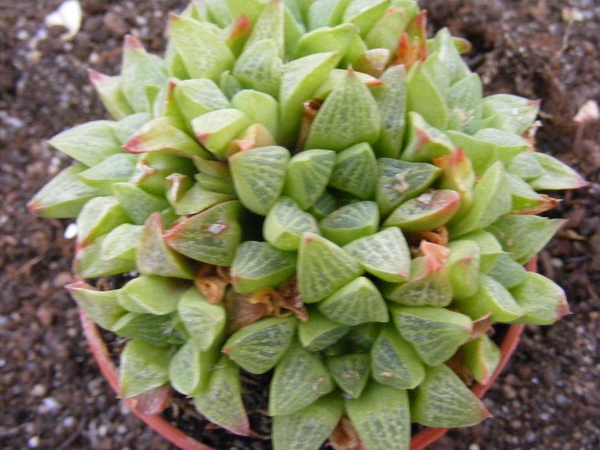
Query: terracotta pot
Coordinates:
[185,442]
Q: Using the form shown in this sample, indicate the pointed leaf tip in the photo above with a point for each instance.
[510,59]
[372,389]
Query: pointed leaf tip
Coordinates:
[133,42]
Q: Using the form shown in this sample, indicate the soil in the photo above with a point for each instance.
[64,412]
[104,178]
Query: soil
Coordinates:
[52,394]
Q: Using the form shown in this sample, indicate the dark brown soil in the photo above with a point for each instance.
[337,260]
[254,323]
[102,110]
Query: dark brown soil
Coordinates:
[52,394]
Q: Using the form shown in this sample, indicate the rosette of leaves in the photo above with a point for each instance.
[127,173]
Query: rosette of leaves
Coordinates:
[316,188]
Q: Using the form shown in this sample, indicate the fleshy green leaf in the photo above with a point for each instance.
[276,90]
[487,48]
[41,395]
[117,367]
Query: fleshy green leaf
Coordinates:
[300,378]
[326,39]
[151,294]
[98,136]
[391,99]
[89,264]
[98,217]
[428,211]
[463,267]
[491,199]
[481,357]
[425,99]
[204,322]
[261,108]
[507,271]
[350,222]
[323,268]
[514,114]
[260,68]
[259,175]
[489,248]
[285,223]
[355,171]
[436,333]
[203,53]
[221,400]
[137,203]
[357,302]
[190,369]
[543,301]
[309,427]
[556,176]
[400,181]
[301,79]
[384,254]
[491,297]
[443,400]
[64,196]
[319,332]
[348,116]
[259,346]
[524,236]
[101,306]
[423,141]
[307,175]
[158,331]
[394,362]
[259,265]
[143,367]
[116,168]
[350,372]
[381,417]
[211,236]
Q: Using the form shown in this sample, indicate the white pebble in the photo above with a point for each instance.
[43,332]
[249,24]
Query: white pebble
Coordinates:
[71,231]
[67,15]
[33,442]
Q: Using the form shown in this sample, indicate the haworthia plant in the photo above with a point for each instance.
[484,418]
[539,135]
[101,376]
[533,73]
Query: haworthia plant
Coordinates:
[311,187]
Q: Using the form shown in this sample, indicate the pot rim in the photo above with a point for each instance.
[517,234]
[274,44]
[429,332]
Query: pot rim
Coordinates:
[185,442]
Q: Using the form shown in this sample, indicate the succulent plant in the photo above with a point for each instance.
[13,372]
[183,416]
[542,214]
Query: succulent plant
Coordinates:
[311,187]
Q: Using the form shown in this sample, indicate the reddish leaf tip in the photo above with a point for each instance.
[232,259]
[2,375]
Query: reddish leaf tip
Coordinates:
[133,43]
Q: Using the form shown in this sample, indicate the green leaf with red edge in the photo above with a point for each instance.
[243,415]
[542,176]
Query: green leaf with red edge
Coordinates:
[154,257]
[481,357]
[423,141]
[110,93]
[98,217]
[556,176]
[489,248]
[428,211]
[211,236]
[308,428]
[348,116]
[64,196]
[300,378]
[323,268]
[524,236]
[101,306]
[143,367]
[491,199]
[463,267]
[100,142]
[285,223]
[543,301]
[381,416]
[220,401]
[89,264]
[384,254]
[400,181]
[512,113]
[202,51]
[443,400]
